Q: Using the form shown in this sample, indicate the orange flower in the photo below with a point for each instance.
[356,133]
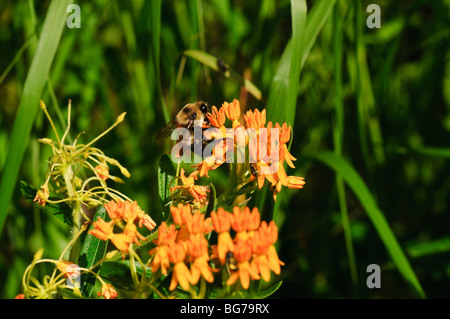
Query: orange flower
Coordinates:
[131,231]
[246,270]
[232,111]
[42,195]
[285,133]
[253,218]
[122,242]
[198,192]
[181,274]
[190,223]
[295,182]
[239,223]
[129,211]
[198,250]
[255,119]
[108,292]
[68,269]
[160,259]
[266,254]
[180,214]
[102,171]
[166,235]
[20,296]
[243,221]
[197,224]
[166,238]
[102,230]
[261,263]
[212,162]
[221,222]
[115,209]
[147,221]
[217,118]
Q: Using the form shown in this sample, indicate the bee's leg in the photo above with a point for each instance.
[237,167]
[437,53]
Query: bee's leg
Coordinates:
[190,124]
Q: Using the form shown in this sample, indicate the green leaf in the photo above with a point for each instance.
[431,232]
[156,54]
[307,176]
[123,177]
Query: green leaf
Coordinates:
[282,101]
[434,247]
[264,293]
[62,211]
[212,200]
[166,173]
[359,188]
[92,251]
[119,275]
[29,104]
[68,293]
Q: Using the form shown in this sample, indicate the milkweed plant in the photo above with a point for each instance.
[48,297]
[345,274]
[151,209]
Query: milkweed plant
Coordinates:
[209,245]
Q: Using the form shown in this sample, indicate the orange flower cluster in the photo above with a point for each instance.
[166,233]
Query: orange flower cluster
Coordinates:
[252,247]
[183,244]
[123,214]
[255,122]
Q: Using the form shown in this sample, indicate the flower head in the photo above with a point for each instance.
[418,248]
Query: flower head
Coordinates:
[233,111]
[108,292]
[102,171]
[42,195]
[245,270]
[196,191]
[181,274]
[217,117]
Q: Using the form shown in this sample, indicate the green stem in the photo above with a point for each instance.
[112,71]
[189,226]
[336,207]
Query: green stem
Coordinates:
[76,212]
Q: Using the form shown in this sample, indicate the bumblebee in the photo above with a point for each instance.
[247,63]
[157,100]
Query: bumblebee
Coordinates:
[231,262]
[185,118]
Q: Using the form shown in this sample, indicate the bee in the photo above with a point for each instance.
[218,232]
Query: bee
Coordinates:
[185,118]
[231,262]
[254,170]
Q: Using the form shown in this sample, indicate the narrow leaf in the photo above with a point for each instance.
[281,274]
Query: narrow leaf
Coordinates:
[359,188]
[92,251]
[32,91]
[118,273]
[62,211]
[166,173]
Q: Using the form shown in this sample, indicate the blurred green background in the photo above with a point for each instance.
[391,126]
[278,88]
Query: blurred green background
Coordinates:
[377,101]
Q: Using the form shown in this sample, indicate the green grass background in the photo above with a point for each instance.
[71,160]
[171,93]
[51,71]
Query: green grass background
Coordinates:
[370,110]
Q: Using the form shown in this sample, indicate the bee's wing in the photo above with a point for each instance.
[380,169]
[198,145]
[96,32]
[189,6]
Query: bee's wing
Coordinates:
[166,131]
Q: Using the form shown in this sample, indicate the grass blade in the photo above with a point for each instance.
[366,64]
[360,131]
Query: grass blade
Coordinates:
[34,85]
[359,188]
[338,137]
[434,247]
[281,104]
[92,251]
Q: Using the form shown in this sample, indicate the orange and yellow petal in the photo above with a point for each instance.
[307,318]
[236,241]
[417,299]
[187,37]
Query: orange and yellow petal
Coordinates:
[181,275]
[221,220]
